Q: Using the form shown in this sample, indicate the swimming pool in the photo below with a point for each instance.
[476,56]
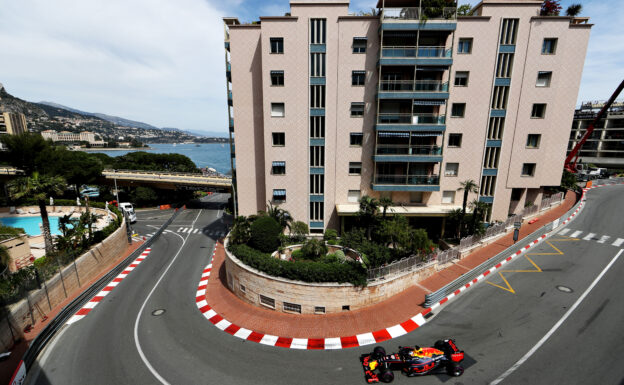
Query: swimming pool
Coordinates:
[31,224]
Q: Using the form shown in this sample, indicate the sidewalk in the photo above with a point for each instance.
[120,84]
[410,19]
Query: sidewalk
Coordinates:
[393,311]
[8,367]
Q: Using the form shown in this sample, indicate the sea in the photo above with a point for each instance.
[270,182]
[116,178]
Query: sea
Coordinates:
[215,155]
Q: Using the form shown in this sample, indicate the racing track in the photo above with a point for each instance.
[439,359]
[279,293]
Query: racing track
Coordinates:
[494,326]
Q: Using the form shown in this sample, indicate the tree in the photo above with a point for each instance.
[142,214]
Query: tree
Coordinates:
[21,150]
[40,188]
[464,10]
[478,210]
[467,187]
[455,217]
[574,10]
[241,230]
[367,213]
[298,231]
[550,8]
[385,202]
[5,259]
[568,180]
[313,249]
[265,233]
[282,216]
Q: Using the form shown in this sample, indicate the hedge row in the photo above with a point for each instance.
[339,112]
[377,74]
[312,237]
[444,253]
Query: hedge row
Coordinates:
[305,271]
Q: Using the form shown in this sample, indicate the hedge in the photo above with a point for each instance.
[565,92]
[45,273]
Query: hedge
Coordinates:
[305,271]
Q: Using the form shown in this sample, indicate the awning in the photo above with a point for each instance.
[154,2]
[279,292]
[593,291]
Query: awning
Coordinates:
[279,193]
[394,134]
[283,164]
[398,34]
[426,133]
[360,38]
[441,69]
[428,102]
[276,72]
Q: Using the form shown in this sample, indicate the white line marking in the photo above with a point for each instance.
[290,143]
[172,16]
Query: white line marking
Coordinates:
[333,343]
[242,333]
[268,339]
[180,229]
[366,339]
[576,234]
[299,343]
[589,236]
[603,239]
[195,231]
[559,323]
[618,242]
[564,231]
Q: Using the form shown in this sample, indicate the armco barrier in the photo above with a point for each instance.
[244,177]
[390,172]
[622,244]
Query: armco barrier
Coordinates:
[436,296]
[55,324]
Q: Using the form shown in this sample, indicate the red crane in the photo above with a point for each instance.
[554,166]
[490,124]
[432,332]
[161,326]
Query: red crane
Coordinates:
[570,162]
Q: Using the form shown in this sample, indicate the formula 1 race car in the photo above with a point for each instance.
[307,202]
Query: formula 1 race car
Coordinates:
[413,361]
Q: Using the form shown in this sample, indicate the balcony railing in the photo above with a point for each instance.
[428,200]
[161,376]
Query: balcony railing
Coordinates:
[413,86]
[384,118]
[398,149]
[414,51]
[408,179]
[416,13]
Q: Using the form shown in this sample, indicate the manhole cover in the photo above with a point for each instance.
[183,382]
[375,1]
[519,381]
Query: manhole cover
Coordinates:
[564,289]
[158,312]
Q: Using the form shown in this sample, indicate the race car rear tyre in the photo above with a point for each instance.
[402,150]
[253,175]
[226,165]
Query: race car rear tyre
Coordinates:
[439,344]
[379,351]
[386,375]
[455,370]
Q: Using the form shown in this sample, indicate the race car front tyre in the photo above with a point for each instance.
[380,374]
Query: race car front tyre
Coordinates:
[379,352]
[455,370]
[386,375]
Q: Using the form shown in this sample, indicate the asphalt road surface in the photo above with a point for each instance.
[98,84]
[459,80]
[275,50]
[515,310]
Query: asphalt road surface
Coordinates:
[548,321]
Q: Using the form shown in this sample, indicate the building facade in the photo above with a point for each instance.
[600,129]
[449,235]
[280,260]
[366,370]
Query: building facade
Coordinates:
[605,146]
[72,137]
[326,107]
[13,123]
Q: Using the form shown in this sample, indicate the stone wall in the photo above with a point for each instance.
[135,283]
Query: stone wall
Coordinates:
[250,284]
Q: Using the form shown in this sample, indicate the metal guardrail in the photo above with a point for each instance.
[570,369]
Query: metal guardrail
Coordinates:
[436,296]
[68,311]
[412,263]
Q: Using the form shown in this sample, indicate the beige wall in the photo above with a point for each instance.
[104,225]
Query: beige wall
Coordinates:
[19,252]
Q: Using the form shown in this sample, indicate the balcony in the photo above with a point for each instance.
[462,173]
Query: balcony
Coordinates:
[412,119]
[415,55]
[406,153]
[423,18]
[406,183]
[413,89]
[230,102]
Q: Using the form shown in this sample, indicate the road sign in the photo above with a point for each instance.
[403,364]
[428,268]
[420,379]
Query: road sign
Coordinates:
[515,236]
[517,225]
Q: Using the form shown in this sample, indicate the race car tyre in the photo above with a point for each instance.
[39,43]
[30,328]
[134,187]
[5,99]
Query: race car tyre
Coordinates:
[455,370]
[379,351]
[439,344]
[386,375]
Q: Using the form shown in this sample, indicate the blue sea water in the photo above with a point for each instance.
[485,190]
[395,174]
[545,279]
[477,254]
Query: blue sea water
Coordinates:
[215,155]
[31,224]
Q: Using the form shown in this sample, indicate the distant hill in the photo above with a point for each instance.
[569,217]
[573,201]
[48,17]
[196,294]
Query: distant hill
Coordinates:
[113,119]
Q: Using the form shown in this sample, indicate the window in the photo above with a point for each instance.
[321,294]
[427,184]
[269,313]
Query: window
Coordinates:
[317,156]
[452,169]
[455,140]
[357,109]
[491,158]
[504,65]
[543,78]
[533,140]
[318,31]
[353,196]
[266,301]
[277,110]
[242,288]
[448,197]
[317,126]
[539,110]
[509,30]
[319,309]
[293,307]
[357,78]
[346,307]
[316,212]
[458,110]
[416,197]
[278,168]
[317,96]
[495,129]
[461,78]
[528,169]
[464,45]
[499,97]
[279,139]
[359,45]
[277,44]
[488,183]
[549,47]
[355,168]
[277,78]
[355,139]
[279,195]
[317,64]
[317,184]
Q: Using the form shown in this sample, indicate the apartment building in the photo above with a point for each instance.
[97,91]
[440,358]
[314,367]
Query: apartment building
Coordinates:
[72,137]
[326,107]
[605,146]
[13,123]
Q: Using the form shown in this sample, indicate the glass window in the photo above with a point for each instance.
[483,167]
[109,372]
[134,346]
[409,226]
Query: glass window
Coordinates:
[277,78]
[292,307]
[464,45]
[458,110]
[267,301]
[357,109]
[461,78]
[278,168]
[448,197]
[277,44]
[533,140]
[543,78]
[539,110]
[277,110]
[279,139]
[359,45]
[353,196]
[452,169]
[528,169]
[355,138]
[455,140]
[355,168]
[549,47]
[279,195]
[358,78]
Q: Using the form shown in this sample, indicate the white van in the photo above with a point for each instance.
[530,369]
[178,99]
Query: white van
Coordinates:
[128,211]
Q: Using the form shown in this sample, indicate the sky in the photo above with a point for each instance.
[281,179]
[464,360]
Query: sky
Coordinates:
[162,61]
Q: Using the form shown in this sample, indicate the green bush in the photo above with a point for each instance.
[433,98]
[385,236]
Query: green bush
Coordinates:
[306,271]
[313,249]
[332,242]
[330,235]
[340,255]
[330,258]
[297,255]
[265,233]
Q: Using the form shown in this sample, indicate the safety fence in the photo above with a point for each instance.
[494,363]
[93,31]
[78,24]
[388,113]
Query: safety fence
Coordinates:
[412,263]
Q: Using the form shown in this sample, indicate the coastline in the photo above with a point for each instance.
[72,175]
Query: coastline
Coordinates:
[115,149]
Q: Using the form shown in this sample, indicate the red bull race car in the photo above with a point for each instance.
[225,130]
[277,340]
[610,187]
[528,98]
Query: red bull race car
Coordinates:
[445,356]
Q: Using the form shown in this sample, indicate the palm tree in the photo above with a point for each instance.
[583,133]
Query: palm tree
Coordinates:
[367,213]
[478,209]
[455,216]
[40,188]
[574,10]
[5,259]
[282,216]
[385,202]
[467,187]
